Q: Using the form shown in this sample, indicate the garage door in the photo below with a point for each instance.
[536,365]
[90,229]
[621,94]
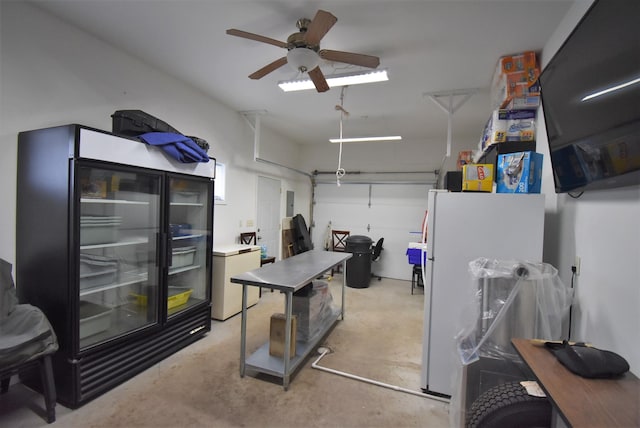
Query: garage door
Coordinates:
[391,211]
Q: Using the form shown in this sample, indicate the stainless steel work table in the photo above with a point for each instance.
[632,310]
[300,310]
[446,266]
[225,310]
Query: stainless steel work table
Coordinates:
[288,276]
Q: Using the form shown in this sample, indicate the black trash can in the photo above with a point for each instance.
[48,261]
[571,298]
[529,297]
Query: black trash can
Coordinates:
[359,265]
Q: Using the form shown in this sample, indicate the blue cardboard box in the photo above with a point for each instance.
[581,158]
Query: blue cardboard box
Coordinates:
[519,172]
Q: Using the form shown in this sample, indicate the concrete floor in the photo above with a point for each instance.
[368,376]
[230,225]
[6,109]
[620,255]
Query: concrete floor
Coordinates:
[200,386]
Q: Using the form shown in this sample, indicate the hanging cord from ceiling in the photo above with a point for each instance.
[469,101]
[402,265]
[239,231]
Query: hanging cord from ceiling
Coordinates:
[340,172]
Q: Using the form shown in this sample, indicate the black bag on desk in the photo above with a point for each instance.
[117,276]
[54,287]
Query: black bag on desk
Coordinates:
[587,361]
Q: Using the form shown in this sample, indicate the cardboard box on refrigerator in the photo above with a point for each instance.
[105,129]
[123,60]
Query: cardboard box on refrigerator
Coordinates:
[477,178]
[464,157]
[514,84]
[525,61]
[527,102]
[519,172]
[509,125]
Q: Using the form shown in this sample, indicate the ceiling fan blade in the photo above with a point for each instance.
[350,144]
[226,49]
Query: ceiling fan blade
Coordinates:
[268,68]
[350,58]
[319,26]
[256,37]
[318,80]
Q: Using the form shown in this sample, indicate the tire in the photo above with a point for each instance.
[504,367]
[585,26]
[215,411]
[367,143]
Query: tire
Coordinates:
[509,405]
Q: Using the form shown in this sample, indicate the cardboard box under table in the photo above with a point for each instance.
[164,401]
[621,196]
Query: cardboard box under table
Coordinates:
[277,335]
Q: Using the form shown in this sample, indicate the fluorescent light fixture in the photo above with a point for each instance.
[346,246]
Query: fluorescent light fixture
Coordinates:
[365,139]
[611,89]
[336,80]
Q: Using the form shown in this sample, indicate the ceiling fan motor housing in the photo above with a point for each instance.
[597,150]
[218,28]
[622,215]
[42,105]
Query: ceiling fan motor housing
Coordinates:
[297,40]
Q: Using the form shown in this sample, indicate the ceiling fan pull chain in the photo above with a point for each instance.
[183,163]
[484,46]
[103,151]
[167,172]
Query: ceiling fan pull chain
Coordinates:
[340,171]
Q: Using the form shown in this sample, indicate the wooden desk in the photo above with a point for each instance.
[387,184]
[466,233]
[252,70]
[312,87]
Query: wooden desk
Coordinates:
[583,402]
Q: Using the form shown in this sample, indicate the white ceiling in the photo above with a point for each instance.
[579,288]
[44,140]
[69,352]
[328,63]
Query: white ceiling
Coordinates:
[427,46]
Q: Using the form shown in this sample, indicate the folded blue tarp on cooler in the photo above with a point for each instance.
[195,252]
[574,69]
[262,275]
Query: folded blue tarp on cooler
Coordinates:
[177,146]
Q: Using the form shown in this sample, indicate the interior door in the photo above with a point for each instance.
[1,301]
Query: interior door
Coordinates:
[268,218]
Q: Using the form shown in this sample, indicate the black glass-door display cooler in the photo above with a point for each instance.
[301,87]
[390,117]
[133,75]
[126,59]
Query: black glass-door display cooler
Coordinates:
[118,256]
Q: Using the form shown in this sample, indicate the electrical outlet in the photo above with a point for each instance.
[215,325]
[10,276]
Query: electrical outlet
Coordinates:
[576,264]
[249,223]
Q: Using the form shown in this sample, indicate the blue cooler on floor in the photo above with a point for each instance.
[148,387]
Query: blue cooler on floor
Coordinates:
[415,254]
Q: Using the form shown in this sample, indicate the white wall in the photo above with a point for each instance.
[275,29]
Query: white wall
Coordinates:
[602,228]
[54,74]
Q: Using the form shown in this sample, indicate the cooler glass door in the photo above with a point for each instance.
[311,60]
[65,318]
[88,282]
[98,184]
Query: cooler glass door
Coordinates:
[189,229]
[118,241]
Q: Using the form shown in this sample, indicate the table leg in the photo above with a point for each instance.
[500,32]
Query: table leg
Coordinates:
[243,330]
[287,338]
[344,282]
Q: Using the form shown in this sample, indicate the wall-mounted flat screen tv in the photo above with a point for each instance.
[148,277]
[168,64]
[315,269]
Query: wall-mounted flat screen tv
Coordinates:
[591,100]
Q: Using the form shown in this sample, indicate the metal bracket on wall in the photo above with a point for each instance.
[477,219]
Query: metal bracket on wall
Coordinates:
[450,108]
[253,118]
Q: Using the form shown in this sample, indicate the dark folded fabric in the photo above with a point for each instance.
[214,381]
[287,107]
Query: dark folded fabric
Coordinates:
[179,147]
[587,361]
[25,332]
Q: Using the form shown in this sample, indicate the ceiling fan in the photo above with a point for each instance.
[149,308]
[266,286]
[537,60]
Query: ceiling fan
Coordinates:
[304,51]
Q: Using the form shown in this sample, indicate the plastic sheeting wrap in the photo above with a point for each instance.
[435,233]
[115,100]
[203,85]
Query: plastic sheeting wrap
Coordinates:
[314,311]
[513,299]
[507,299]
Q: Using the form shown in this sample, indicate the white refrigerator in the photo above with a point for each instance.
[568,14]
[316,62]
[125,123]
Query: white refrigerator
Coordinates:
[462,227]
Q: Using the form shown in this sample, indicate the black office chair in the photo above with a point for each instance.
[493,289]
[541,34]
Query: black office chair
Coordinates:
[375,255]
[27,341]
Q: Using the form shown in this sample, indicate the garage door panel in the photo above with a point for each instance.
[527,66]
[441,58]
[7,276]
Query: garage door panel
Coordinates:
[389,211]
